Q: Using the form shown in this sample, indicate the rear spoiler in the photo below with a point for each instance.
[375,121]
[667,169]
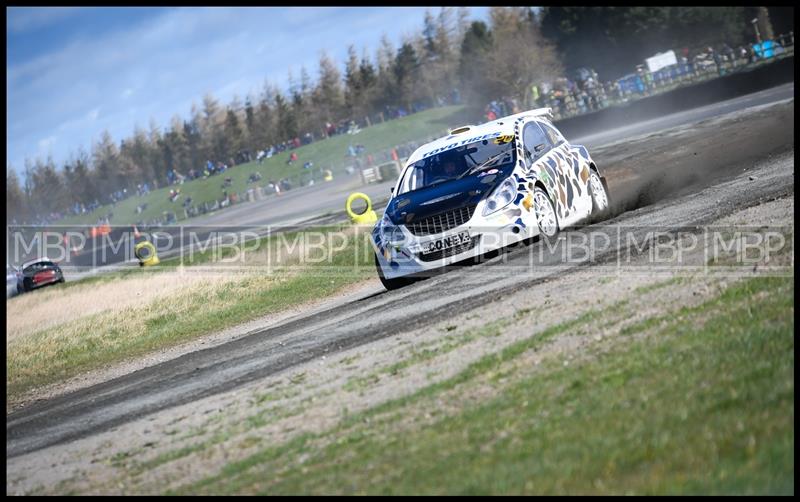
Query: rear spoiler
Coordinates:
[536,112]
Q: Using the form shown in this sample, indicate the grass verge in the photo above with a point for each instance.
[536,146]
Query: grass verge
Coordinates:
[704,404]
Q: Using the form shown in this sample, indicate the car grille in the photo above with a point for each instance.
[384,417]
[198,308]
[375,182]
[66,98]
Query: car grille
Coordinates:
[442,222]
[438,255]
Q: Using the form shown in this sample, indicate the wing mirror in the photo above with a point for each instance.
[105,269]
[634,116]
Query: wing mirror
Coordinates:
[391,190]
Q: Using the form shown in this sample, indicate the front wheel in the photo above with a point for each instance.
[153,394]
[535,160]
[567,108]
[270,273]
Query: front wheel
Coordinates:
[391,284]
[546,216]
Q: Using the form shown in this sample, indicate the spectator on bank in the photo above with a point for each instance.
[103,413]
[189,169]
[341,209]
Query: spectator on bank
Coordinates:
[538,96]
[715,56]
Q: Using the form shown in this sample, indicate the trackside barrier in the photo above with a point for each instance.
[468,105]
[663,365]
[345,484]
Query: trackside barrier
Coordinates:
[368,217]
[389,170]
[370,175]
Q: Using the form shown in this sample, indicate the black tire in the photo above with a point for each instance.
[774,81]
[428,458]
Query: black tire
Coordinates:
[597,211]
[27,285]
[391,284]
[546,234]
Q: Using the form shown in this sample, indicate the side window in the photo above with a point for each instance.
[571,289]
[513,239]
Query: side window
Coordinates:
[553,135]
[413,179]
[535,143]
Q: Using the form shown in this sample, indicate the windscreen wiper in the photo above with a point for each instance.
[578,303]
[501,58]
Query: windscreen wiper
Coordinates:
[487,163]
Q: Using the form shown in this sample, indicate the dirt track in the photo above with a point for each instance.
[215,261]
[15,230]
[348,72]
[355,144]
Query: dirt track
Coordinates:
[675,178]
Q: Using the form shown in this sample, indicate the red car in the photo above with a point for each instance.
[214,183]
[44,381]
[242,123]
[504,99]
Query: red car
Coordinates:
[40,273]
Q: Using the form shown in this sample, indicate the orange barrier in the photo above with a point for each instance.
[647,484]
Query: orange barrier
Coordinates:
[103,229]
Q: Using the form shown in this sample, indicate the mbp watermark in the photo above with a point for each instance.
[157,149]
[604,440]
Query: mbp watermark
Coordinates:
[345,249]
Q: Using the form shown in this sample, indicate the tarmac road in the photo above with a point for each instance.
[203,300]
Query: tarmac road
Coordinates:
[691,176]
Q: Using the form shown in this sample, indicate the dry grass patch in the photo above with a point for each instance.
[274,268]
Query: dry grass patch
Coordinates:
[57,306]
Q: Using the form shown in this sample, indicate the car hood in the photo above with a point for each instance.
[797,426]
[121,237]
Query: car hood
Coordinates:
[454,194]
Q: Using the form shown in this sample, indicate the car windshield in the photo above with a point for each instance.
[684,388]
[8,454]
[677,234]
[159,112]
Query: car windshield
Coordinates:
[458,162]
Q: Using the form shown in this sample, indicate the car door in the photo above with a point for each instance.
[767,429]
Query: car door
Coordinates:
[547,161]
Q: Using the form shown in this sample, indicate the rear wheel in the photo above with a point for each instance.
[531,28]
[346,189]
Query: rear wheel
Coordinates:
[391,284]
[600,200]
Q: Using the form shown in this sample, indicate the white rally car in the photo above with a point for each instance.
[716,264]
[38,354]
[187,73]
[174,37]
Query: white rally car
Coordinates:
[482,188]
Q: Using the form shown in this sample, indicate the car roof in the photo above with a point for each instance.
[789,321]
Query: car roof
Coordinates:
[469,134]
[33,262]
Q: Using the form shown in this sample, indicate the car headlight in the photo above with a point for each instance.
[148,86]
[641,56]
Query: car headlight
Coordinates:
[391,233]
[501,197]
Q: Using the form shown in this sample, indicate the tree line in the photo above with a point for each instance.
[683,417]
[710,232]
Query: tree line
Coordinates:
[450,55]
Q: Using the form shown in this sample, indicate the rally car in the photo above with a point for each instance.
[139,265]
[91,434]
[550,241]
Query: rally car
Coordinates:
[482,188]
[38,273]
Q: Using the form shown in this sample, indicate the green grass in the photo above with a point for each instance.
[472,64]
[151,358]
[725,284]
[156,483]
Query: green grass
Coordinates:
[705,404]
[105,338]
[325,154]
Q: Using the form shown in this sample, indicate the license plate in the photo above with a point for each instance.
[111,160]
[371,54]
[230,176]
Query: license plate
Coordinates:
[446,242]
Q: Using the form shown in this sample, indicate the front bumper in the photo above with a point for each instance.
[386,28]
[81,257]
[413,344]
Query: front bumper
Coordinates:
[487,234]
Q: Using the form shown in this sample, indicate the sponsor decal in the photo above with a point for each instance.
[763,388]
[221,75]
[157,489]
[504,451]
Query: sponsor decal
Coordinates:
[461,143]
